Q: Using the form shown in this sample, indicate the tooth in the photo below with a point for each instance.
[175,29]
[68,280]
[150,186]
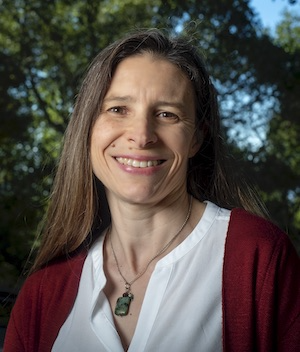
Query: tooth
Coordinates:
[137,163]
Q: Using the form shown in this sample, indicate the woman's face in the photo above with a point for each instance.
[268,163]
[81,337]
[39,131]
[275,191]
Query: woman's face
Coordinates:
[145,134]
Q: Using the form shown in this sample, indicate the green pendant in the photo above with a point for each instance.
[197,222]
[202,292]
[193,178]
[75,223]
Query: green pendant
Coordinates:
[123,304]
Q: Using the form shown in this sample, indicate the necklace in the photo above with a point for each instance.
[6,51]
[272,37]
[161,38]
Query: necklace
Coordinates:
[123,303]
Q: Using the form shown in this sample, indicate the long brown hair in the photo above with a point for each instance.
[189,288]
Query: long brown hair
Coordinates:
[78,208]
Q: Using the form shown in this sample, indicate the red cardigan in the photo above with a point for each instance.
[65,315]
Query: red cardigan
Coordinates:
[261,294]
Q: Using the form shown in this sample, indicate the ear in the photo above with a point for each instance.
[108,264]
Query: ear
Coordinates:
[196,144]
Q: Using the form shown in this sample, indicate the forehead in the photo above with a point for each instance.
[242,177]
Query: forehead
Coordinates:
[150,73]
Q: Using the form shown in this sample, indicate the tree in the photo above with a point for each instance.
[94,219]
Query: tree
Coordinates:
[284,130]
[45,47]
[275,164]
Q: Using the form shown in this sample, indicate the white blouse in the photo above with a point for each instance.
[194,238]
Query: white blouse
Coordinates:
[182,307]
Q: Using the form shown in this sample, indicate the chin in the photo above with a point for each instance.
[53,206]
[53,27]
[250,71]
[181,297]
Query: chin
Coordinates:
[138,196]
[137,199]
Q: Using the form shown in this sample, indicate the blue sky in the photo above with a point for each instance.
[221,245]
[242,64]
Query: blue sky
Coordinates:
[270,13]
[270,10]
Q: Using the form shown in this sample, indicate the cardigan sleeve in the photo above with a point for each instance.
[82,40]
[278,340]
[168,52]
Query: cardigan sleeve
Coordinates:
[42,306]
[19,336]
[261,287]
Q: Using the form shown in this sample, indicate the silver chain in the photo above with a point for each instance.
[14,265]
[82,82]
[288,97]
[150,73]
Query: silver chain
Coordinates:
[128,284]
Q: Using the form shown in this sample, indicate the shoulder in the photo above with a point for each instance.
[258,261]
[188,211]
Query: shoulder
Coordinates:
[255,244]
[249,229]
[260,283]
[58,270]
[61,274]
[43,304]
[54,280]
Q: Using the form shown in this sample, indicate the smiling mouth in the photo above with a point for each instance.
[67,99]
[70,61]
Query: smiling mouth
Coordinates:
[139,163]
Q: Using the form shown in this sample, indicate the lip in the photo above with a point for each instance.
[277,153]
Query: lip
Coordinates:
[139,164]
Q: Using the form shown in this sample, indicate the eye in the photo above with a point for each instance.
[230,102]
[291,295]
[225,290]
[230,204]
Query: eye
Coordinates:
[120,110]
[168,116]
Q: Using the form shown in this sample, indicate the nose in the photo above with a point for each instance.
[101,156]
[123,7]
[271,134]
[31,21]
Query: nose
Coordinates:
[142,132]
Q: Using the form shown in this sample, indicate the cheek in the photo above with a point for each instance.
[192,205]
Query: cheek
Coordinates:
[185,143]
[98,145]
[103,139]
[103,135]
[196,144]
[94,144]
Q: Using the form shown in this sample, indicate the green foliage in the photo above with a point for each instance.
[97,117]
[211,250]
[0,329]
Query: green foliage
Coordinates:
[284,129]
[288,32]
[45,48]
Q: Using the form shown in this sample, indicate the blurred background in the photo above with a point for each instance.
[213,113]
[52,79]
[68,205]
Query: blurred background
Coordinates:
[252,49]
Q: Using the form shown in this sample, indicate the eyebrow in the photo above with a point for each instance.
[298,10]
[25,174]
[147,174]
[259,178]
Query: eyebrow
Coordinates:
[128,98]
[125,98]
[175,104]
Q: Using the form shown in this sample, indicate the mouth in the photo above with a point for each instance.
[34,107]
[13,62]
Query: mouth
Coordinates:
[138,163]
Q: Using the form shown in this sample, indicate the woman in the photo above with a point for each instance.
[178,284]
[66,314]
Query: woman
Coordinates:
[146,246]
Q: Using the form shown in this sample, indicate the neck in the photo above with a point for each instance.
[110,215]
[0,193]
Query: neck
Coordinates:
[138,232]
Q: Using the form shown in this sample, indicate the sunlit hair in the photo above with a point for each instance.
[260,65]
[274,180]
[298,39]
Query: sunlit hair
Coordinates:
[78,207]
